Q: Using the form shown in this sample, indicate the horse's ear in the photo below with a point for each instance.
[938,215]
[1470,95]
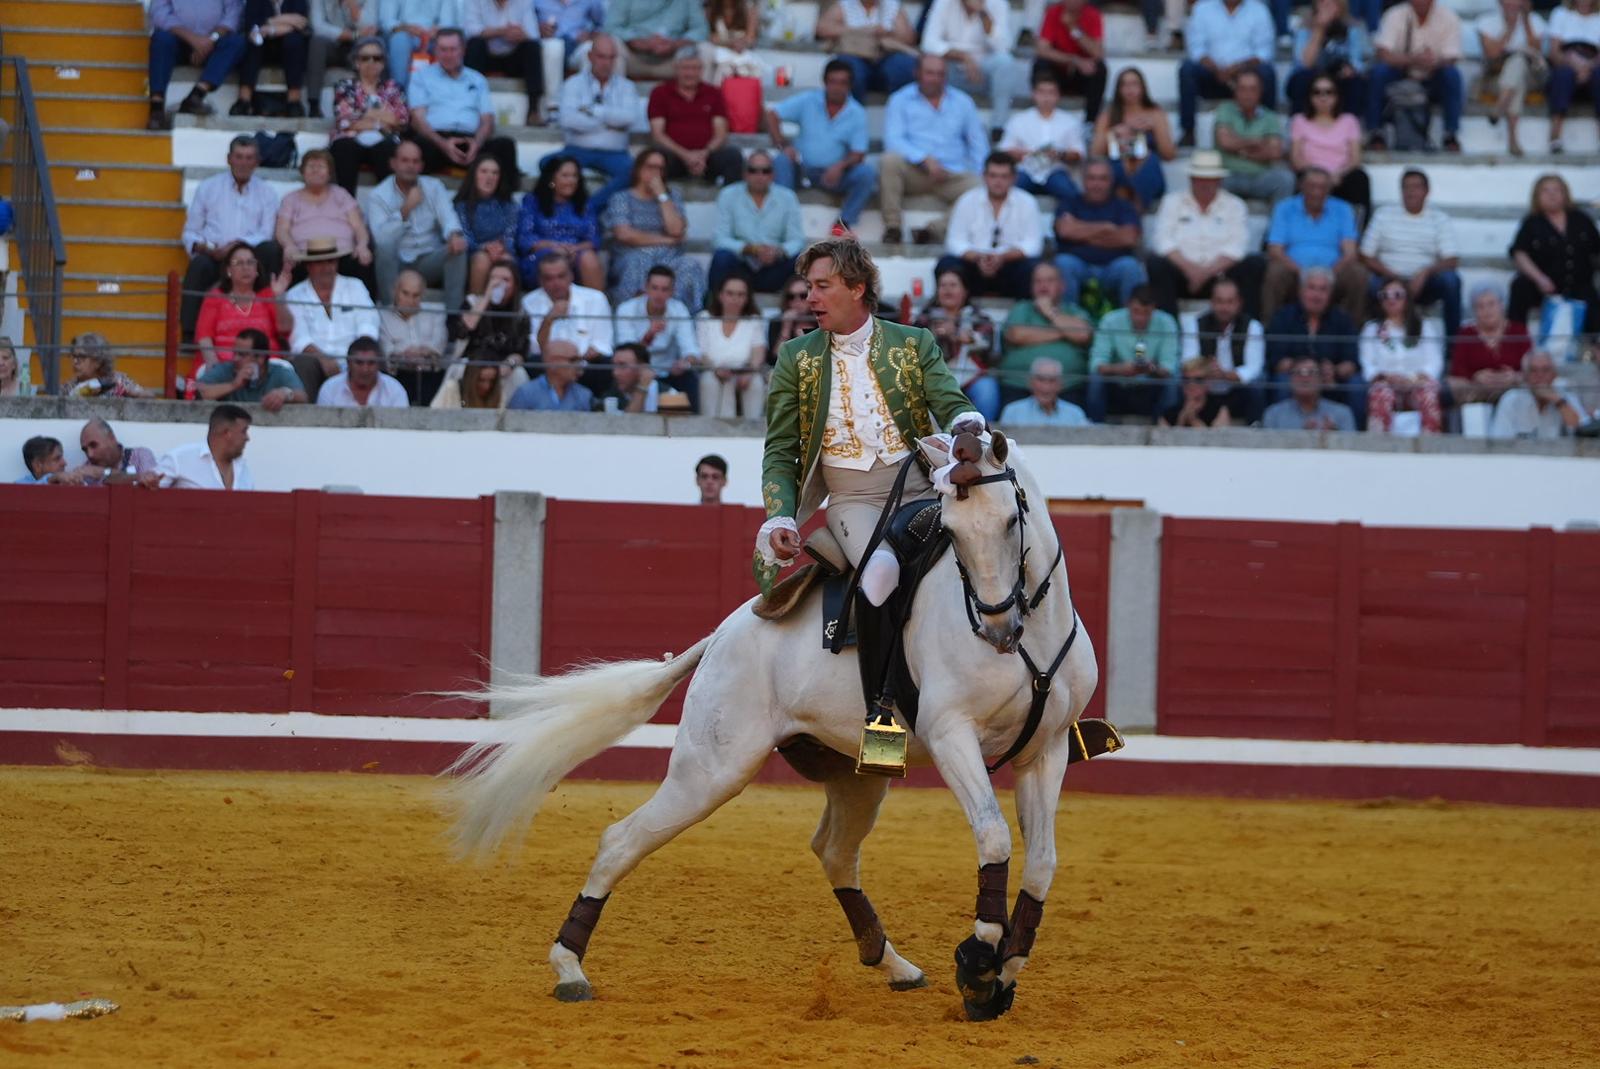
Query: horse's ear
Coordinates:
[999,447]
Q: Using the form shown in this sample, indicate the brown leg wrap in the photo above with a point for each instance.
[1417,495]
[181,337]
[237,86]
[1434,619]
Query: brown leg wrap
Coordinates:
[992,892]
[1025,920]
[579,926]
[864,924]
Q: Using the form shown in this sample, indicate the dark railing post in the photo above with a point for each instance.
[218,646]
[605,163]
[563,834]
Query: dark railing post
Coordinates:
[174,335]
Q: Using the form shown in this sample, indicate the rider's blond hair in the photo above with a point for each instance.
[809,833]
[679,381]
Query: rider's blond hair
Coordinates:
[851,263]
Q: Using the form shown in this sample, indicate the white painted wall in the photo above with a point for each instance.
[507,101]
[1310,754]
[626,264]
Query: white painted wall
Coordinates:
[1407,489]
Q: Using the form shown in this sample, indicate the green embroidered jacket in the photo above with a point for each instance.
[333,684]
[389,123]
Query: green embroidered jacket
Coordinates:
[922,395]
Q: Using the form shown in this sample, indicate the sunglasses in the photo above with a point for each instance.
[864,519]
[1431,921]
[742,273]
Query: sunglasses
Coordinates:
[797,295]
[758,170]
[370,57]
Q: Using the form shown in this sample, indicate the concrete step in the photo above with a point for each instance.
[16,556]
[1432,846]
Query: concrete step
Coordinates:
[153,219]
[127,79]
[112,181]
[47,14]
[112,291]
[116,256]
[110,146]
[61,45]
[119,110]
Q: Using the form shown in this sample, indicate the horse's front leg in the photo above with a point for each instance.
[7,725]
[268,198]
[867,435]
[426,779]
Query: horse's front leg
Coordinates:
[1038,795]
[960,761]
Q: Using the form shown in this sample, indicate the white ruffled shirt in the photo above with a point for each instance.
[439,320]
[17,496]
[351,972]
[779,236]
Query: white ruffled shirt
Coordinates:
[859,431]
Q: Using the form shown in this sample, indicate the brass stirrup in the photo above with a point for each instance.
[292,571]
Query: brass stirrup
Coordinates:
[883,744]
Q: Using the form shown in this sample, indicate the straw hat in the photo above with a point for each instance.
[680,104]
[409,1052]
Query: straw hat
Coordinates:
[1207,163]
[325,248]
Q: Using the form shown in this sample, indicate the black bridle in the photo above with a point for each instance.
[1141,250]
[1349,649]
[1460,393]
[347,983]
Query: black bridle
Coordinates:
[1018,597]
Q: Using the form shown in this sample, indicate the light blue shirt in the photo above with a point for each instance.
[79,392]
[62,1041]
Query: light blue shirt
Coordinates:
[951,133]
[825,139]
[31,480]
[1229,37]
[434,14]
[1353,48]
[571,18]
[454,104]
[1028,413]
[1311,242]
[630,20]
[677,342]
[776,222]
[540,396]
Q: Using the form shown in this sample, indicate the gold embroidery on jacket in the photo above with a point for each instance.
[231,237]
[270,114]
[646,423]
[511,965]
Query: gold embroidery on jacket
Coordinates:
[847,447]
[808,372]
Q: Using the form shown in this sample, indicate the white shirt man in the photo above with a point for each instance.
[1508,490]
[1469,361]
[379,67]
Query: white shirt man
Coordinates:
[586,324]
[192,467]
[975,225]
[675,342]
[980,58]
[1201,234]
[331,330]
[388,393]
[598,115]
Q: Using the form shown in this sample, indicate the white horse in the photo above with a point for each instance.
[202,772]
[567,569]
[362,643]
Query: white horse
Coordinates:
[762,683]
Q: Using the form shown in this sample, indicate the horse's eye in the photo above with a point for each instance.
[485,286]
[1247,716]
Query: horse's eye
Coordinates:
[1011,524]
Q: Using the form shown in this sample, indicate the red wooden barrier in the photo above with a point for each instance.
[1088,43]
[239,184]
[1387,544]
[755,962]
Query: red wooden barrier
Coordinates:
[1316,631]
[124,599]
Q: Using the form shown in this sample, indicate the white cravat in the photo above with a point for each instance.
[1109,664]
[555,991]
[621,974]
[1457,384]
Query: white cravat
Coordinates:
[859,430]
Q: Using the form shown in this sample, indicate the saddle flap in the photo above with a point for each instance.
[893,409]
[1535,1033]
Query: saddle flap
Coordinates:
[1091,738]
[823,546]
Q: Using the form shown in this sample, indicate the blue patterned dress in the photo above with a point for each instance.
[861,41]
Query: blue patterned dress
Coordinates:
[630,264]
[488,220]
[566,225]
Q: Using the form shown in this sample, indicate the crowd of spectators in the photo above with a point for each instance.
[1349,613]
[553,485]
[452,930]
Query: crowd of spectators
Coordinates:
[570,297]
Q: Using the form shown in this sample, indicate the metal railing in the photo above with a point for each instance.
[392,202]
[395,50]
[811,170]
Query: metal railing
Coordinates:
[41,249]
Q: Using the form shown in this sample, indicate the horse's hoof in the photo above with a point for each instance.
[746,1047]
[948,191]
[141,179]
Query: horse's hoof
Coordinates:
[996,1006]
[574,991]
[909,985]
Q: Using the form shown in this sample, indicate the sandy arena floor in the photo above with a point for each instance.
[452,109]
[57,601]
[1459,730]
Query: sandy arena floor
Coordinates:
[311,920]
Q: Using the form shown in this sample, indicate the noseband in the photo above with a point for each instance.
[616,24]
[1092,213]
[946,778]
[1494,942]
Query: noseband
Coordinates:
[1018,596]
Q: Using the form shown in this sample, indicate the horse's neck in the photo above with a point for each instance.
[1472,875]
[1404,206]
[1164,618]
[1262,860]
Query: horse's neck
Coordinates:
[1045,542]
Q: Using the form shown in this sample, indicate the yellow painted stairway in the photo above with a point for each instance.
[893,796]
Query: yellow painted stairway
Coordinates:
[119,196]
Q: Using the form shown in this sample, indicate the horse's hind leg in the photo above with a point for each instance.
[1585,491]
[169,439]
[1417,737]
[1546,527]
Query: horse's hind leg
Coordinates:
[852,810]
[712,760]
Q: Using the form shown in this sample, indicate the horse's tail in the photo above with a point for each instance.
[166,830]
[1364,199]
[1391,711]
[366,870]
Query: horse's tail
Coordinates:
[556,723]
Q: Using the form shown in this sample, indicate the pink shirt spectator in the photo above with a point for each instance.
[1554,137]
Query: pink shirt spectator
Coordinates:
[1327,147]
[309,219]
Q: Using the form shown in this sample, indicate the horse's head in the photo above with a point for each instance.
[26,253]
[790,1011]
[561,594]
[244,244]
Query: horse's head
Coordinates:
[985,519]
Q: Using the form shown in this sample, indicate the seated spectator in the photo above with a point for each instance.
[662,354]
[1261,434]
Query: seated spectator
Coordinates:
[339,30]
[1098,235]
[661,323]
[413,338]
[482,384]
[1315,327]
[794,318]
[452,115]
[1071,51]
[875,39]
[758,228]
[733,349]
[975,38]
[1415,245]
[648,227]
[1134,134]
[362,384]
[94,371]
[408,26]
[1313,229]
[1046,327]
[1556,250]
[1198,405]
[830,149]
[503,38]
[1137,344]
[1402,357]
[45,461]
[218,462]
[729,49]
[330,312]
[598,109]
[556,217]
[934,143]
[1043,407]
[251,376]
[278,30]
[1200,238]
[1176,13]
[575,23]
[1328,41]
[654,32]
[1574,42]
[560,310]
[493,321]
[996,234]
[229,207]
[1044,141]
[1322,137]
[1540,408]
[558,389]
[108,461]
[1305,409]
[1231,350]
[488,217]
[320,209]
[966,335]
[1418,40]
[414,224]
[1512,42]
[633,381]
[1221,40]
[14,374]
[689,122]
[1486,360]
[369,114]
[238,303]
[1251,139]
[204,33]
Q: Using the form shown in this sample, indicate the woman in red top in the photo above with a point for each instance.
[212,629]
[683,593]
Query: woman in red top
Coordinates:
[1487,359]
[238,303]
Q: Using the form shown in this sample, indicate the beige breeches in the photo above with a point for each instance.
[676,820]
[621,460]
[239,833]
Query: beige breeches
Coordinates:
[855,501]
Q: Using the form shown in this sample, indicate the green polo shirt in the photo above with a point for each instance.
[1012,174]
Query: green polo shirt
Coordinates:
[1014,365]
[279,375]
[1116,343]
[1267,123]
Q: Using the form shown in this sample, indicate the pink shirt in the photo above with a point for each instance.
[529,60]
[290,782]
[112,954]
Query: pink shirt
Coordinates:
[329,219]
[1327,147]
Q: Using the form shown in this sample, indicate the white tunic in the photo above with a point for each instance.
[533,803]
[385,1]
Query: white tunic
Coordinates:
[859,431]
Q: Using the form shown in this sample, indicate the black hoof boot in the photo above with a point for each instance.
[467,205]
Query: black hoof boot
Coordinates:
[978,980]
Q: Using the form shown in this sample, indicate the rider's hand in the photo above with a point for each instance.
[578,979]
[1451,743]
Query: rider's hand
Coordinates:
[785,544]
[970,423]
